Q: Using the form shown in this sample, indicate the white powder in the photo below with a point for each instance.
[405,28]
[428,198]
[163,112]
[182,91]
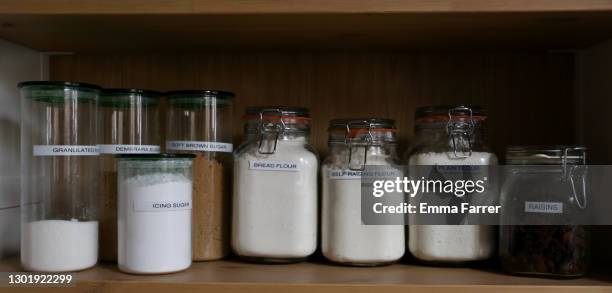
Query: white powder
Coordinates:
[275,209]
[59,246]
[344,238]
[154,223]
[452,243]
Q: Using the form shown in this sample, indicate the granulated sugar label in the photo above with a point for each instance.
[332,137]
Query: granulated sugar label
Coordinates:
[201,146]
[159,206]
[65,150]
[286,166]
[344,174]
[128,149]
[544,207]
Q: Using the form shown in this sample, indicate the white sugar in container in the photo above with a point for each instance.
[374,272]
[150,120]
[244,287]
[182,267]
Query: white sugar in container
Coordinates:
[154,213]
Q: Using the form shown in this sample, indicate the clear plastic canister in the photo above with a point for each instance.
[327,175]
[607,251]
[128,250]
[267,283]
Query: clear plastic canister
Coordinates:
[200,123]
[128,123]
[59,190]
[154,213]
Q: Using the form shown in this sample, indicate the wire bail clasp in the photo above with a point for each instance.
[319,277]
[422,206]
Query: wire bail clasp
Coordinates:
[355,141]
[460,132]
[579,170]
[270,128]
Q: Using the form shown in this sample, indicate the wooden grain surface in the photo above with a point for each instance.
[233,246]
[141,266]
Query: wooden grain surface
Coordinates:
[529,96]
[234,276]
[410,31]
[294,6]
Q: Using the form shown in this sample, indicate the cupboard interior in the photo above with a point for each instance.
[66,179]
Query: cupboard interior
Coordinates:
[531,97]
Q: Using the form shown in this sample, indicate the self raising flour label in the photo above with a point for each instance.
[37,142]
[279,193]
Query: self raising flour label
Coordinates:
[65,150]
[344,174]
[159,206]
[128,149]
[285,166]
[543,207]
[200,146]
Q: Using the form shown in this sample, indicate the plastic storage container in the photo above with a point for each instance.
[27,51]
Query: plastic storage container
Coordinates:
[59,187]
[199,122]
[450,135]
[128,123]
[154,210]
[275,187]
[355,143]
[545,185]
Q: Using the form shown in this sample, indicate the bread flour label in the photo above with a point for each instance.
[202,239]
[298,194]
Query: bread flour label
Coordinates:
[285,166]
[128,149]
[543,207]
[344,174]
[65,150]
[199,146]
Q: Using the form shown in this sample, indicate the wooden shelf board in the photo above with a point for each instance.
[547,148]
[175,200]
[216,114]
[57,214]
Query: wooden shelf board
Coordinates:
[139,25]
[293,6]
[234,276]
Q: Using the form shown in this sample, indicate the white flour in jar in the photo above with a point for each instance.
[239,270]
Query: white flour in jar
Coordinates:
[344,238]
[59,245]
[452,243]
[275,202]
[154,223]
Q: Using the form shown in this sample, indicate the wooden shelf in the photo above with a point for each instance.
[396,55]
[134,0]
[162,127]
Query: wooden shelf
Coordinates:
[233,276]
[196,25]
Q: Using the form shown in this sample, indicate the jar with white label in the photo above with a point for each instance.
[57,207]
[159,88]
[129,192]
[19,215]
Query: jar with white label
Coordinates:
[199,122]
[275,187]
[545,187]
[128,122]
[355,143]
[154,213]
[59,186]
[445,136]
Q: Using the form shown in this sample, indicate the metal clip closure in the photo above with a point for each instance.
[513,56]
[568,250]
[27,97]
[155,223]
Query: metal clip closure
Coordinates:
[460,132]
[579,170]
[355,142]
[270,128]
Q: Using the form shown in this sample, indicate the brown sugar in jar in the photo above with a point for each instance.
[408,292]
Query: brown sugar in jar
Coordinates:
[199,123]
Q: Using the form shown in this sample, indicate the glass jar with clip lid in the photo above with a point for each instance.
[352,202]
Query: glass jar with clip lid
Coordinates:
[544,195]
[355,144]
[450,136]
[275,187]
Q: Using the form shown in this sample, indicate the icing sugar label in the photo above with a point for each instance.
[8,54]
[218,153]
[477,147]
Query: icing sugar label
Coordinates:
[344,174]
[128,149]
[202,146]
[544,207]
[162,205]
[65,150]
[285,166]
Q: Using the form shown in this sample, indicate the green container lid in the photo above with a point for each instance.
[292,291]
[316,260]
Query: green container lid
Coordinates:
[58,91]
[199,98]
[128,97]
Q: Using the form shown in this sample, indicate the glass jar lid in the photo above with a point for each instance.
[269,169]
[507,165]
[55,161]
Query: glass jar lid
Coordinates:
[366,130]
[445,113]
[546,155]
[278,118]
[55,91]
[125,97]
[199,98]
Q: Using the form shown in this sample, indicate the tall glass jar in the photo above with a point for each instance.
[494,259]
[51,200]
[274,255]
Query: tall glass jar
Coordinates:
[59,190]
[199,122]
[128,122]
[154,207]
[275,187]
[450,135]
[544,186]
[355,143]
